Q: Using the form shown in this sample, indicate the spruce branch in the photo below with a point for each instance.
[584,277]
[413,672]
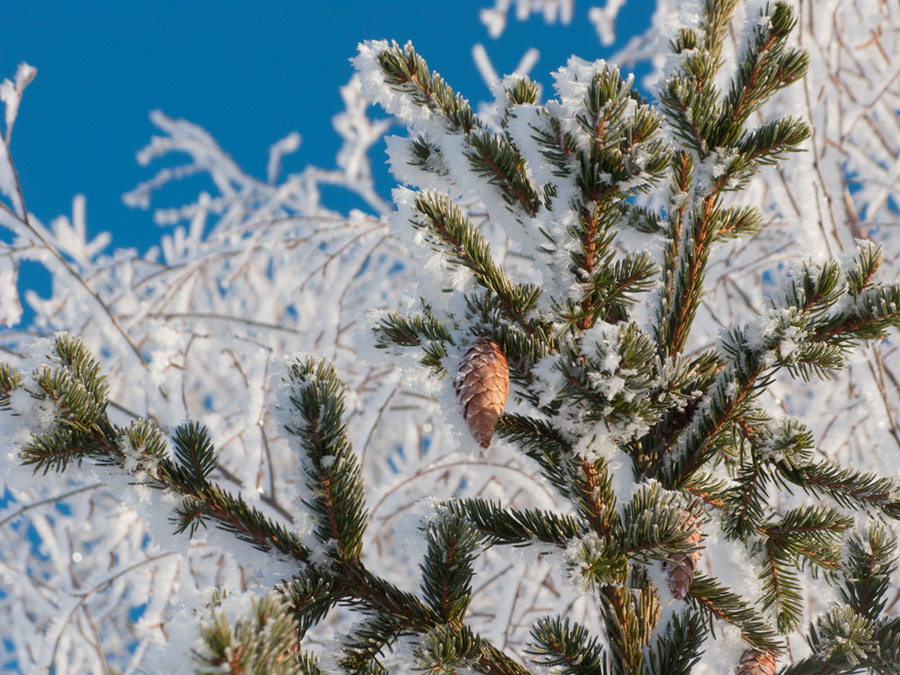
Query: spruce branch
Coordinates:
[567,647]
[263,643]
[657,524]
[875,309]
[798,324]
[310,594]
[641,218]
[707,488]
[686,268]
[492,660]
[230,513]
[706,124]
[54,451]
[843,639]
[631,613]
[764,146]
[745,504]
[620,161]
[737,222]
[446,648]
[855,636]
[813,289]
[496,160]
[410,330]
[78,406]
[74,386]
[728,399]
[871,559]
[309,664]
[848,487]
[887,658]
[844,642]
[393,613]
[543,443]
[683,169]
[676,392]
[451,232]
[522,91]
[620,124]
[76,361]
[427,156]
[616,286]
[447,570]
[501,526]
[690,99]
[363,647]
[678,646]
[557,145]
[769,143]
[781,587]
[421,330]
[406,72]
[194,454]
[714,24]
[490,155]
[768,65]
[593,494]
[74,394]
[610,379]
[596,563]
[10,380]
[715,601]
[810,532]
[144,447]
[336,496]
[860,273]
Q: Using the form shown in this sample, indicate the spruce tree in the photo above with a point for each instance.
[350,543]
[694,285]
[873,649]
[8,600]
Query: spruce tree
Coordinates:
[583,364]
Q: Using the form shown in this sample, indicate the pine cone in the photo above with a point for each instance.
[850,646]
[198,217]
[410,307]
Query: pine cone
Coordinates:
[482,385]
[754,662]
[681,566]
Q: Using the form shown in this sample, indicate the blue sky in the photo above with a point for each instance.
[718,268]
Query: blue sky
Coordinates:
[248,72]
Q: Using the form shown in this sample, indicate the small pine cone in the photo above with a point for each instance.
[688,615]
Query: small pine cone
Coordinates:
[482,385]
[755,662]
[681,566]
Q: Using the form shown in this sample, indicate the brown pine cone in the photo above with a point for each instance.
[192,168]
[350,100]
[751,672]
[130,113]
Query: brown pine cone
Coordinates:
[755,662]
[680,566]
[482,385]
